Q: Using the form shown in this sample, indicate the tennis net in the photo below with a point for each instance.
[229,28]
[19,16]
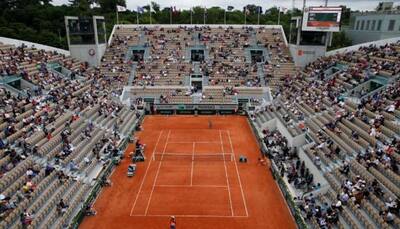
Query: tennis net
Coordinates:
[192,157]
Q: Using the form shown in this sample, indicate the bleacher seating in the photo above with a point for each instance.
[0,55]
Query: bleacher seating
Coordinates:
[227,63]
[362,137]
[54,137]
[66,128]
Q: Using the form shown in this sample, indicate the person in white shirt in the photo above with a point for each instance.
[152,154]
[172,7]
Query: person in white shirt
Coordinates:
[372,132]
[337,205]
[29,172]
[391,108]
[389,217]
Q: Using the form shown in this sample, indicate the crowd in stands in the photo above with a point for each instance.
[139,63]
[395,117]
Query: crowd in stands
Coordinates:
[65,124]
[357,145]
[73,124]
[55,135]
[226,61]
[288,161]
[323,214]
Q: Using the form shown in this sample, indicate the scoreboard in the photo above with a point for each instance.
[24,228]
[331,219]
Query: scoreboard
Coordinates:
[322,19]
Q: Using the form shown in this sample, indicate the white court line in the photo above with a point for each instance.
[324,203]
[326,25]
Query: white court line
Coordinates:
[193,129]
[226,174]
[145,174]
[155,179]
[237,171]
[189,153]
[191,169]
[200,142]
[190,186]
[196,216]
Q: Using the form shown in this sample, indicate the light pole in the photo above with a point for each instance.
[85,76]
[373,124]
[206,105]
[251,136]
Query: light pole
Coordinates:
[224,16]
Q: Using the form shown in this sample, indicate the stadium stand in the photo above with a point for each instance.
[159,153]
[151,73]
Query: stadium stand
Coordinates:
[65,124]
[353,127]
[224,57]
[56,137]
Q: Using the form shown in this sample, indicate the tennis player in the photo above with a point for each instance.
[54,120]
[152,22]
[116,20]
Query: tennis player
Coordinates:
[209,124]
[172,222]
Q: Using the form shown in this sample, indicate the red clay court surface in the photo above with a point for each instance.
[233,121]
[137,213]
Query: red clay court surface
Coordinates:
[206,192]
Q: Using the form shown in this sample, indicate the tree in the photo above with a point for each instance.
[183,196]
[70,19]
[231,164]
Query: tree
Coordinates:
[147,7]
[110,5]
[82,5]
[252,8]
[346,13]
[340,40]
[155,6]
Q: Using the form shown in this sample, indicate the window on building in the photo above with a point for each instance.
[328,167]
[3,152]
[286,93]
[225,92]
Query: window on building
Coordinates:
[373,25]
[358,25]
[362,25]
[368,22]
[379,25]
[391,25]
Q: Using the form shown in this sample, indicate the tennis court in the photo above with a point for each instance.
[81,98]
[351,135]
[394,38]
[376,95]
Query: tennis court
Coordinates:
[193,173]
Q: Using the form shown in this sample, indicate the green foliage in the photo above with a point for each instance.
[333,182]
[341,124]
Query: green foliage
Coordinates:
[40,21]
[155,7]
[340,40]
[110,5]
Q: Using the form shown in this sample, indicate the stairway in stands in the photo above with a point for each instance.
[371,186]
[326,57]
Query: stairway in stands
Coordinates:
[132,75]
[196,98]
[261,74]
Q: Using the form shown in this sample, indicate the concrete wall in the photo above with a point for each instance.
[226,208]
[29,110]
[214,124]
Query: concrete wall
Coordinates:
[276,124]
[318,176]
[81,52]
[359,37]
[304,54]
[16,42]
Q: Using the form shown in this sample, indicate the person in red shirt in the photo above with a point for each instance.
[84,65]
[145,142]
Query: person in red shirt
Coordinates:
[49,136]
